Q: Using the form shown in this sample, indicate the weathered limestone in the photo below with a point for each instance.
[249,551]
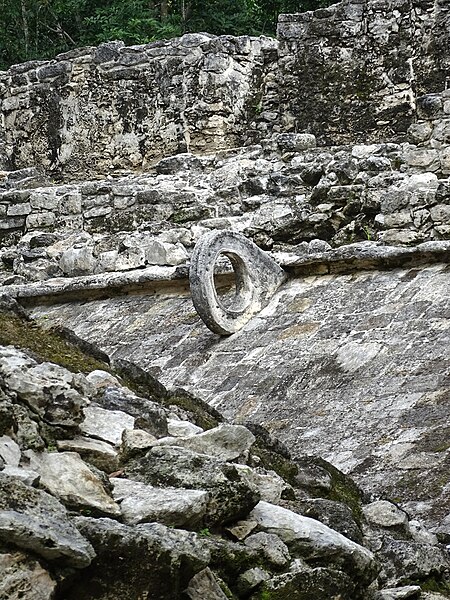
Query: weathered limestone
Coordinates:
[347,360]
[257,277]
[33,520]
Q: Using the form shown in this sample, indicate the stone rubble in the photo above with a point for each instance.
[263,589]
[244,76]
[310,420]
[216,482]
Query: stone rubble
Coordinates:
[205,481]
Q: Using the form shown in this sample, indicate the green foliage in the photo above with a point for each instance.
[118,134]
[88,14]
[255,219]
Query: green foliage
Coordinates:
[39,29]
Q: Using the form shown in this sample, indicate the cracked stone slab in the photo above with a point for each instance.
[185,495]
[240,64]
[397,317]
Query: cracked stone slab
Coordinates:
[68,478]
[33,520]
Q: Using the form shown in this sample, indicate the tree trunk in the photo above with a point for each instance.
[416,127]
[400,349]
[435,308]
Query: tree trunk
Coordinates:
[164,9]
[26,30]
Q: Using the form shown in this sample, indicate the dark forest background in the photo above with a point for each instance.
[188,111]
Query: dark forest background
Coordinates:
[36,29]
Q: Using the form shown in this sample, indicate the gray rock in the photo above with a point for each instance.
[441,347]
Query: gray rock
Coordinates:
[9,451]
[407,591]
[319,583]
[148,415]
[179,428]
[96,452]
[27,476]
[241,529]
[227,442]
[172,558]
[106,425]
[68,478]
[47,388]
[295,142]
[33,520]
[230,497]
[313,540]
[135,441]
[385,514]
[410,561]
[204,585]
[22,578]
[251,579]
[78,261]
[141,503]
[268,484]
[271,546]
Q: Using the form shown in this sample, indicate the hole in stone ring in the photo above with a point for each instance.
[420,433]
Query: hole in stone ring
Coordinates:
[232,283]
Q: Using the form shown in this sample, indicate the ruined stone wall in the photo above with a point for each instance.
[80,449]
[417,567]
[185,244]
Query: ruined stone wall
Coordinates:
[113,107]
[354,71]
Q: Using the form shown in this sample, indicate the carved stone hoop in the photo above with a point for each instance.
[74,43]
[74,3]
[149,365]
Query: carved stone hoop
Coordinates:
[257,277]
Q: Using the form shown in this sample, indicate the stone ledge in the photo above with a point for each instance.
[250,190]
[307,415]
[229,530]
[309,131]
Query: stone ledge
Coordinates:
[353,257]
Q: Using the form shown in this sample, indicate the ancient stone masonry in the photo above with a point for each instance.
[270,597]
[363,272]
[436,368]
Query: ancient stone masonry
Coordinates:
[356,70]
[111,108]
[318,164]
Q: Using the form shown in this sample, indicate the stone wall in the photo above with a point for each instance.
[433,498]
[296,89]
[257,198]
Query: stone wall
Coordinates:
[334,196]
[354,71]
[113,107]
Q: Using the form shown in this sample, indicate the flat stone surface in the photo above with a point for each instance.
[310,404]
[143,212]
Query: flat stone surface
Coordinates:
[100,454]
[106,425]
[141,503]
[227,442]
[67,477]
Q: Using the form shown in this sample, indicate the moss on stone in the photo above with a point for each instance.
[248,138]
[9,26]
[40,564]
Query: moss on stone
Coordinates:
[45,344]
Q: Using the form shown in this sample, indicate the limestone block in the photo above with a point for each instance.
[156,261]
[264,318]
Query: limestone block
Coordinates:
[22,578]
[135,441]
[230,497]
[269,485]
[419,132]
[271,546]
[19,209]
[68,478]
[160,253]
[385,514]
[120,548]
[9,451]
[400,593]
[106,425]
[204,585]
[131,258]
[96,452]
[37,220]
[78,261]
[45,201]
[46,387]
[227,442]
[141,503]
[307,537]
[27,476]
[440,213]
[179,428]
[33,520]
